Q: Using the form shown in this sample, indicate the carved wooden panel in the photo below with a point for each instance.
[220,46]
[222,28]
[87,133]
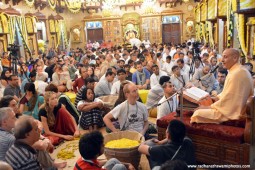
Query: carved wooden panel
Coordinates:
[171,33]
[112,31]
[95,35]
[210,150]
[151,29]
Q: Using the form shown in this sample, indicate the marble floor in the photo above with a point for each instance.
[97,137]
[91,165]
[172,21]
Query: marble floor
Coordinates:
[144,164]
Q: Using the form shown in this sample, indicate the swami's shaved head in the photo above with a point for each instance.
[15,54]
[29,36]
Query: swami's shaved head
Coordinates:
[230,57]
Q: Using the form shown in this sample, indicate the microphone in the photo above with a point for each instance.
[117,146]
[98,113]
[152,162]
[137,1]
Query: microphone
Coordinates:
[179,91]
[212,71]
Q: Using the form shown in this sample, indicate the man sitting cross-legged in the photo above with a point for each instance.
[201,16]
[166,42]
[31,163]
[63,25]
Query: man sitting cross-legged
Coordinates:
[203,79]
[166,105]
[21,155]
[131,114]
[230,103]
[154,95]
[7,122]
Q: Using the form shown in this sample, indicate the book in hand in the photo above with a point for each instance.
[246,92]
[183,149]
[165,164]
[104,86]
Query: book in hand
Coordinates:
[195,93]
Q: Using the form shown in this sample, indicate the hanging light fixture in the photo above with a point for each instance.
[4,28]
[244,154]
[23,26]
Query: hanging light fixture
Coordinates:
[74,5]
[148,6]
[110,4]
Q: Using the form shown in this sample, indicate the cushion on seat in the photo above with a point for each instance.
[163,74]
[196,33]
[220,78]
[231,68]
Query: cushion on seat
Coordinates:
[219,131]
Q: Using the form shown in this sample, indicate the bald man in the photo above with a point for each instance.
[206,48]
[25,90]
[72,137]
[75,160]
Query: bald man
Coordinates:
[230,103]
[204,79]
[131,114]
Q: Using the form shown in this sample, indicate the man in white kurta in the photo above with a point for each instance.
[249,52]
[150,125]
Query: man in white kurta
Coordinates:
[154,79]
[179,80]
[167,106]
[167,66]
[121,73]
[231,101]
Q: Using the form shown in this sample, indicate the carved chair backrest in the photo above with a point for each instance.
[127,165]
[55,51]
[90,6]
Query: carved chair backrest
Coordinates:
[249,136]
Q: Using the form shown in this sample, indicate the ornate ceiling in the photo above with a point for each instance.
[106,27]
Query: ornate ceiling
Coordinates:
[76,6]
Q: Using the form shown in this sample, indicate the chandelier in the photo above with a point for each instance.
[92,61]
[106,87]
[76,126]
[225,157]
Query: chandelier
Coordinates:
[110,4]
[74,5]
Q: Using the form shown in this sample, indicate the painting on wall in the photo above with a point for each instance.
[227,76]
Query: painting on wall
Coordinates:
[76,34]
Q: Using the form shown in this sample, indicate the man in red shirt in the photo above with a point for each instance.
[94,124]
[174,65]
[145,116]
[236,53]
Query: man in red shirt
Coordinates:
[79,82]
[91,146]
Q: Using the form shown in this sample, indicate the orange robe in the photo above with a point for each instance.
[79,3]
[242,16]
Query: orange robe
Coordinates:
[237,89]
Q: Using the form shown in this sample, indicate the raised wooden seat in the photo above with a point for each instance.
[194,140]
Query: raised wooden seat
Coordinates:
[226,143]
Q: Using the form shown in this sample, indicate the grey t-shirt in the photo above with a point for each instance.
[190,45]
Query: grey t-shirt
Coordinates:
[131,117]
[10,90]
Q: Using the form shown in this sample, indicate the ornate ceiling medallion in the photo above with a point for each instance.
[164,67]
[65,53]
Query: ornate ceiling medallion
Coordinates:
[73,5]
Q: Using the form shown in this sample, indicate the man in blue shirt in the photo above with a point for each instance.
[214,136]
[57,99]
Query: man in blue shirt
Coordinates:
[141,77]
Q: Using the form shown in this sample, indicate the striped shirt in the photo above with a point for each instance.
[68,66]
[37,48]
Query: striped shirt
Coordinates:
[154,95]
[79,96]
[6,141]
[103,88]
[22,157]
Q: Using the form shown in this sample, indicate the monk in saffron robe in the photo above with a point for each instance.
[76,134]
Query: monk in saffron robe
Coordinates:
[230,103]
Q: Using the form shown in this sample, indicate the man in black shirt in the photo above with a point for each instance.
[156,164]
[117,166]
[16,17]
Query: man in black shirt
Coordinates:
[50,68]
[175,147]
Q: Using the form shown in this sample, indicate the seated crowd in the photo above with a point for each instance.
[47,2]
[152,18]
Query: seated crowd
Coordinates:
[36,112]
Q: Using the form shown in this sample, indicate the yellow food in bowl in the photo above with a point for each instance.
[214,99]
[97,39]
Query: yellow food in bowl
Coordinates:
[122,143]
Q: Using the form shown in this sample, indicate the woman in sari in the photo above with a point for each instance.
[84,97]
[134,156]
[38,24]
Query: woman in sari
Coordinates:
[29,104]
[56,120]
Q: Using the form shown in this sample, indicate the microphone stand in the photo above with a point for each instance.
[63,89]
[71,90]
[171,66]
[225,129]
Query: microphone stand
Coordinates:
[167,99]
[179,111]
[181,105]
